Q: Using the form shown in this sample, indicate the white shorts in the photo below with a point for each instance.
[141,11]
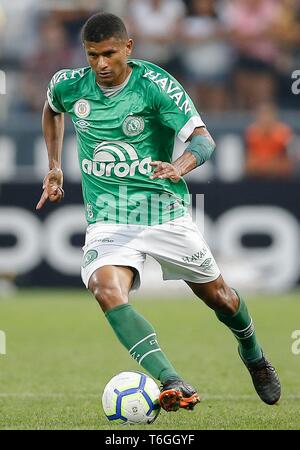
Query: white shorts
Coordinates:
[178,246]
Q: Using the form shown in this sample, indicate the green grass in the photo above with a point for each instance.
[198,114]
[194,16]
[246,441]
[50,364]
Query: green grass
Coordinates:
[61,352]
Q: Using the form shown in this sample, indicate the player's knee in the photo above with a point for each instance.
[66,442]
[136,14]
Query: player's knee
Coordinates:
[108,297]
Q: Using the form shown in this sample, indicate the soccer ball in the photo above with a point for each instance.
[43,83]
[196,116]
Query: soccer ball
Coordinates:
[132,398]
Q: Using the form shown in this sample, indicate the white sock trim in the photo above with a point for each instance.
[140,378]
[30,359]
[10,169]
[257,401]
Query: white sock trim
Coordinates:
[142,340]
[245,329]
[148,353]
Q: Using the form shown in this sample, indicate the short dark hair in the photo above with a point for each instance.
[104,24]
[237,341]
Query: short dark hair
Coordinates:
[103,26]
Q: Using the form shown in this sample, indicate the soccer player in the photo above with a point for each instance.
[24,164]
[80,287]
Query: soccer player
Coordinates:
[126,114]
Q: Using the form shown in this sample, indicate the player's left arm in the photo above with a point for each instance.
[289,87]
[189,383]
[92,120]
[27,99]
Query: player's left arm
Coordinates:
[199,150]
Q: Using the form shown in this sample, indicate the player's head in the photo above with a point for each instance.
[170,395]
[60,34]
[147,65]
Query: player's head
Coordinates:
[103,26]
[107,47]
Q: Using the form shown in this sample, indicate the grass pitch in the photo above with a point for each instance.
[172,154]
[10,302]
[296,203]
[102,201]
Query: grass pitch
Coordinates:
[61,352]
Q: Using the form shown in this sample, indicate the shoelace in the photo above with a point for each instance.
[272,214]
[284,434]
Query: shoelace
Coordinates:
[262,373]
[186,389]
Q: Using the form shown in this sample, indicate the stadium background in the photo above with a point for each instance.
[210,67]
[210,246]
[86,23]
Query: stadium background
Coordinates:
[234,58]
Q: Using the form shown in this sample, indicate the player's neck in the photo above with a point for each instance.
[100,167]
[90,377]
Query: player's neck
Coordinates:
[120,81]
[112,90]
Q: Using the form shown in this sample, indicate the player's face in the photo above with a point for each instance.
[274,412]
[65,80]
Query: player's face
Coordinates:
[108,59]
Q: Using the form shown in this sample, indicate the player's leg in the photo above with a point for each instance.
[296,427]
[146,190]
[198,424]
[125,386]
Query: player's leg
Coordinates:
[111,286]
[183,254]
[106,273]
[231,309]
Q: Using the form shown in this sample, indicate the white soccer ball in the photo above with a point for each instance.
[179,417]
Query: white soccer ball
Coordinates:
[132,398]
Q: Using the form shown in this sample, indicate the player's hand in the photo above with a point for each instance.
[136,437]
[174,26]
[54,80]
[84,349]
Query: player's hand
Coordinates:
[52,187]
[165,170]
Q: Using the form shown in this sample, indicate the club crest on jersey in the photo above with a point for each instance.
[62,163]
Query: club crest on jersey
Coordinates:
[82,108]
[133,125]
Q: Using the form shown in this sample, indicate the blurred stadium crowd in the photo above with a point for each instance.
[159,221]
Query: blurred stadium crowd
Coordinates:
[236,58]
[231,55]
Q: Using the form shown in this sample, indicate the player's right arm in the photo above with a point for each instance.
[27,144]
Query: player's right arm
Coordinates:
[53,130]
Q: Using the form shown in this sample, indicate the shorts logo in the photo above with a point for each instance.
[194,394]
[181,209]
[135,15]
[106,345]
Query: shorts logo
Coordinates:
[82,108]
[133,125]
[206,265]
[197,256]
[89,257]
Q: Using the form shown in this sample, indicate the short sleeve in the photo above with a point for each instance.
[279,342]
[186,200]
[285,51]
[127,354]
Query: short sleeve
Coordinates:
[175,108]
[54,95]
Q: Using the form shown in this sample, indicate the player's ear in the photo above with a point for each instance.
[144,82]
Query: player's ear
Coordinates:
[129,47]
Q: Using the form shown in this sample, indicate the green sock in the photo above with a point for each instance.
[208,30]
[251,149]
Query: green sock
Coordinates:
[242,327]
[139,337]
